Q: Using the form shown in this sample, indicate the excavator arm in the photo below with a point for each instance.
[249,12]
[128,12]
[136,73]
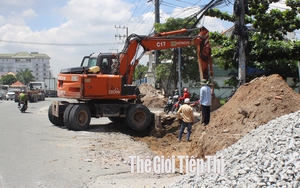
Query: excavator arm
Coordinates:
[166,40]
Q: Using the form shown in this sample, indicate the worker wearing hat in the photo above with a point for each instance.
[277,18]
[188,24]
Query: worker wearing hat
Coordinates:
[205,101]
[186,115]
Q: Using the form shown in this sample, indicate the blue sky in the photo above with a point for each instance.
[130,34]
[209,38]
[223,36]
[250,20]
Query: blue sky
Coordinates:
[88,22]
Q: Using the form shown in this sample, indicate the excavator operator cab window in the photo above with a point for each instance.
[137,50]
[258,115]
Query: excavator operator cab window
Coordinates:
[105,66]
[89,62]
[92,62]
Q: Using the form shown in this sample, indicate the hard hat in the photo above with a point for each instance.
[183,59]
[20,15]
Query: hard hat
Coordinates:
[187,101]
[185,89]
[23,91]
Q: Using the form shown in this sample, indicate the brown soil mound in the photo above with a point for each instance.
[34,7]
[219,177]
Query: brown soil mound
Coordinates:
[152,98]
[254,104]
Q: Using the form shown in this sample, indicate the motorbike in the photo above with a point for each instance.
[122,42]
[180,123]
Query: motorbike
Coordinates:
[23,106]
[168,106]
[172,104]
[196,106]
[176,107]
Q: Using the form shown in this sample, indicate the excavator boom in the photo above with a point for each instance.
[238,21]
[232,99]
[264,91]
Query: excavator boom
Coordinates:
[167,40]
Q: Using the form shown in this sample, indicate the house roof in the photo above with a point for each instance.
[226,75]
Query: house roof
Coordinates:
[24,55]
[17,84]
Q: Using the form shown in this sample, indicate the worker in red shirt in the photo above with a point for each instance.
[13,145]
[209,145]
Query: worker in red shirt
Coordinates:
[185,95]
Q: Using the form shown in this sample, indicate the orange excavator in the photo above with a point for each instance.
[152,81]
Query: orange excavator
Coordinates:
[102,85]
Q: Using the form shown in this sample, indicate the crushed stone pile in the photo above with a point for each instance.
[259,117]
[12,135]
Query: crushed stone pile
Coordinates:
[268,156]
[152,98]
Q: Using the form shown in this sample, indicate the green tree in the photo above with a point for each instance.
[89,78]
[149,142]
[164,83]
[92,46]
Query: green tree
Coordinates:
[140,72]
[25,76]
[8,79]
[267,47]
[162,73]
[189,66]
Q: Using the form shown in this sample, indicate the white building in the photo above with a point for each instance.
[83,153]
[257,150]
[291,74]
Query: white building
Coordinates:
[38,63]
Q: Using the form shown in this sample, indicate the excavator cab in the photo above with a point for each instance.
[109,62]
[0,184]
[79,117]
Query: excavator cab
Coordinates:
[107,63]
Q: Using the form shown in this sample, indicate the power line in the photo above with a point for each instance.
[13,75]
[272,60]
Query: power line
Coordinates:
[140,18]
[135,9]
[171,5]
[188,9]
[185,2]
[126,12]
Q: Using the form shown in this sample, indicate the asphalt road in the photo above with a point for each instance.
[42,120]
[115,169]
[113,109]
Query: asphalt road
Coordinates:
[34,153]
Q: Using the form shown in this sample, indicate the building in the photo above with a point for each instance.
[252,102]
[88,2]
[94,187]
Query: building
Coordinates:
[37,62]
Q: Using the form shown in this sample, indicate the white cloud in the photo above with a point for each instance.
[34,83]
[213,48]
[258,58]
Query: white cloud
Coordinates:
[28,14]
[279,5]
[2,20]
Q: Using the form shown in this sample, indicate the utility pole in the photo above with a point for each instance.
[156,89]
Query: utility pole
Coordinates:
[179,70]
[121,36]
[157,20]
[241,31]
[157,14]
[241,45]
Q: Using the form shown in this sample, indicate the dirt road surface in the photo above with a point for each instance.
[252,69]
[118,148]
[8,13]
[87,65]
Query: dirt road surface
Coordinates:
[34,153]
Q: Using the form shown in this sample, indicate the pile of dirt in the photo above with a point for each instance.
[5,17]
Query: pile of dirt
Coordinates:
[253,104]
[152,98]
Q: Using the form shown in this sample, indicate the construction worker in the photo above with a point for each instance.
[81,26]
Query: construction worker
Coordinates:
[186,115]
[205,101]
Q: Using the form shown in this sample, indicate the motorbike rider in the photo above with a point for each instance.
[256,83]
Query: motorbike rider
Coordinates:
[23,98]
[185,95]
[176,92]
[176,95]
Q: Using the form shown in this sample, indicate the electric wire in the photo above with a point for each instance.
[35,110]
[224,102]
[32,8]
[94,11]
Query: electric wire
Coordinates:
[185,2]
[145,25]
[134,11]
[128,10]
[140,18]
[171,5]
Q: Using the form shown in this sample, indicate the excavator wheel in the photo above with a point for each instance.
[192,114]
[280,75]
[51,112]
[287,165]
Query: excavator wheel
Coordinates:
[67,115]
[58,121]
[138,117]
[80,117]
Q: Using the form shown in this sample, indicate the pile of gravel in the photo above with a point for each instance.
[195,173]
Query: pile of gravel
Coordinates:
[268,156]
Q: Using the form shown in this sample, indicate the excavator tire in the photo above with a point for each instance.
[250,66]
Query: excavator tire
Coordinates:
[58,121]
[67,115]
[138,117]
[80,117]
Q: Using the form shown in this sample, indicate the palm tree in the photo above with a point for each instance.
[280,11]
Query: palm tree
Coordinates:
[25,76]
